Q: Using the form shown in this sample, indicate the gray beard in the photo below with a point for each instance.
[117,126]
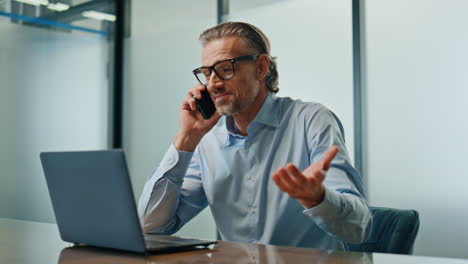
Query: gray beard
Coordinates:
[229,109]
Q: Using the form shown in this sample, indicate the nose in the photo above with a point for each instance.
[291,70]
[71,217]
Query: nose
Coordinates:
[214,82]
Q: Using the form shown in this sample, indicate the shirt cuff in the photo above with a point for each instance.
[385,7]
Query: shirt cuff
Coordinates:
[326,211]
[175,164]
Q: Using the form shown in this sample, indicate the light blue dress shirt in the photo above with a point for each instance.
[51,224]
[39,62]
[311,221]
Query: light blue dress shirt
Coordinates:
[232,174]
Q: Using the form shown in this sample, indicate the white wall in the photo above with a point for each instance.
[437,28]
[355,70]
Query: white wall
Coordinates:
[53,96]
[160,55]
[417,100]
[313,42]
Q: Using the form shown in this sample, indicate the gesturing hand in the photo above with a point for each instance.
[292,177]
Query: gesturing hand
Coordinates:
[307,186]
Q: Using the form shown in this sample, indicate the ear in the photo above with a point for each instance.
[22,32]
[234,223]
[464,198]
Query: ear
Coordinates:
[263,64]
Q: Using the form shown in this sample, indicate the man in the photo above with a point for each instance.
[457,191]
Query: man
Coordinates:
[273,170]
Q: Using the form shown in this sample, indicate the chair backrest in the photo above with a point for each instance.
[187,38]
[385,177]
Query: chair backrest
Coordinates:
[393,231]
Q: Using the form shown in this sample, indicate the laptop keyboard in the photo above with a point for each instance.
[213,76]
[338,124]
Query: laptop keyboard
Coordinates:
[162,241]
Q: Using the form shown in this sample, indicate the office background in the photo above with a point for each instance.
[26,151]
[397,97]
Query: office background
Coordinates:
[57,93]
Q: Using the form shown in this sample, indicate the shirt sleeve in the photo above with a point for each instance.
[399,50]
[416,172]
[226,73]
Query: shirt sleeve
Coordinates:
[344,211]
[173,194]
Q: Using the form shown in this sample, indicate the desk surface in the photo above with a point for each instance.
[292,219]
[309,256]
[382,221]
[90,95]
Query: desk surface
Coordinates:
[30,242]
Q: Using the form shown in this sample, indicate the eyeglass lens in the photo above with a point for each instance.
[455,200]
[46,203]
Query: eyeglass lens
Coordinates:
[224,70]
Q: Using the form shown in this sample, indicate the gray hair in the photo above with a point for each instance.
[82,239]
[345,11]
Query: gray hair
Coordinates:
[253,37]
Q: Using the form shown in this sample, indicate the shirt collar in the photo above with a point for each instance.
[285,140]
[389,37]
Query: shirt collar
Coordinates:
[269,112]
[267,115]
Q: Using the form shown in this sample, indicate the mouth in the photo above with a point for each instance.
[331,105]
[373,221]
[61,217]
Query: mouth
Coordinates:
[221,96]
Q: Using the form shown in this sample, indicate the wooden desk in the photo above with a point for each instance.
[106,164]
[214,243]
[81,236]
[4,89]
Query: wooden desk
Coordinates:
[29,242]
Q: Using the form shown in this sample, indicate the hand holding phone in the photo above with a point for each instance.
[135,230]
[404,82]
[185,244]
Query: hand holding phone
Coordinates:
[205,105]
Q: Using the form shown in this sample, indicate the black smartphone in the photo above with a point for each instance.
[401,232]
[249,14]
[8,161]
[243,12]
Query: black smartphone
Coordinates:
[206,105]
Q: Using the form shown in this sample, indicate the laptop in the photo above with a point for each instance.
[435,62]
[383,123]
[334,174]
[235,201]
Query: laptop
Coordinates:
[94,204]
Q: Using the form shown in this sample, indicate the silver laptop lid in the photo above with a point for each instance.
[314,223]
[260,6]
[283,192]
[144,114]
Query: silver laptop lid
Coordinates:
[92,198]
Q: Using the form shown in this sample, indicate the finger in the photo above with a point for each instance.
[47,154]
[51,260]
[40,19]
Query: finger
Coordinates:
[212,120]
[198,91]
[194,94]
[190,101]
[195,91]
[297,176]
[185,105]
[215,117]
[278,182]
[282,180]
[318,177]
[197,94]
[329,156]
[289,180]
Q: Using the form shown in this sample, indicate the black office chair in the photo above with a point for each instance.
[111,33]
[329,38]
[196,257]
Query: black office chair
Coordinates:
[393,231]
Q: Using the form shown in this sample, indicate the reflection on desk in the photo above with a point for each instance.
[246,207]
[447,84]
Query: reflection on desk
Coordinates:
[29,242]
[223,252]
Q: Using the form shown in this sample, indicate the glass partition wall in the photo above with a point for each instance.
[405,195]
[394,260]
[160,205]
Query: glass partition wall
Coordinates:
[313,43]
[160,55]
[56,60]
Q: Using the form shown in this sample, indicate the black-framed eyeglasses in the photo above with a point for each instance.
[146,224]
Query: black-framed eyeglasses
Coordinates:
[224,69]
